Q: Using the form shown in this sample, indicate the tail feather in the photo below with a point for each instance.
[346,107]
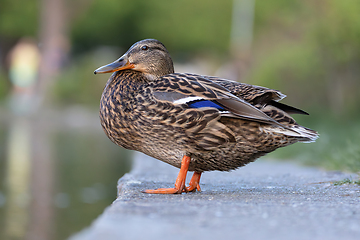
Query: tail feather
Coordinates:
[307,134]
[303,134]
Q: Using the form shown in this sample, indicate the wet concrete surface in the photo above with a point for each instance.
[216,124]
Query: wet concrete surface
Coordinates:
[263,200]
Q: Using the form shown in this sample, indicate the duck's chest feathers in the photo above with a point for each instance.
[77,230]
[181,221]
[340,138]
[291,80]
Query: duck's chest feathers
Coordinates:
[118,101]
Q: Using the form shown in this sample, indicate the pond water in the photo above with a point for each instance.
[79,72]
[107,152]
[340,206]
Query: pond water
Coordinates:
[56,177]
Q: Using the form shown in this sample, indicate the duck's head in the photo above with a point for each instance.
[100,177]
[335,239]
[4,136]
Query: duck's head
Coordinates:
[148,56]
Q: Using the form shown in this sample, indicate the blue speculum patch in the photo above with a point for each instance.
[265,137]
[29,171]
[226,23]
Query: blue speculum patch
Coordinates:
[205,103]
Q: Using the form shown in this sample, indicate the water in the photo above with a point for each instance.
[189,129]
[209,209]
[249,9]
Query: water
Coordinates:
[56,175]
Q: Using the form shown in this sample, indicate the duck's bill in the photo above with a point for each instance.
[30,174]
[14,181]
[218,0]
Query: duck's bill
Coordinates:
[120,64]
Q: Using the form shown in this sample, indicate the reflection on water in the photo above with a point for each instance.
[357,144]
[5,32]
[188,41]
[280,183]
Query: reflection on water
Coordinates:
[17,179]
[55,178]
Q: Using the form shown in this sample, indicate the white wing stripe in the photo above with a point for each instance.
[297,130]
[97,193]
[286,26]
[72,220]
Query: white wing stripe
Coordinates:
[187,99]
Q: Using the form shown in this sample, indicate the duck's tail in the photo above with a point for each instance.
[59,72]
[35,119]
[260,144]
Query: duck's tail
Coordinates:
[302,134]
[288,125]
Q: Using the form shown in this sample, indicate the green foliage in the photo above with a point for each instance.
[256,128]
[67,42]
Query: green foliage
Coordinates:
[338,32]
[105,23]
[18,18]
[4,86]
[278,14]
[347,181]
[182,25]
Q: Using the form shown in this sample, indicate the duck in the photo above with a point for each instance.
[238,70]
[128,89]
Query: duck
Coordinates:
[194,122]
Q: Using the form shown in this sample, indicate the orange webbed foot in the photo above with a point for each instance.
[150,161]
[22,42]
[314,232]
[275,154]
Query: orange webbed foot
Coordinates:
[164,191]
[180,181]
[194,183]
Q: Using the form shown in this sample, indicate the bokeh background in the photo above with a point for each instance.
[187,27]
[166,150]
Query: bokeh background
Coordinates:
[58,171]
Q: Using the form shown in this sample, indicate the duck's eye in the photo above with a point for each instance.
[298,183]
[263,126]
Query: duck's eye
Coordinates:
[144,47]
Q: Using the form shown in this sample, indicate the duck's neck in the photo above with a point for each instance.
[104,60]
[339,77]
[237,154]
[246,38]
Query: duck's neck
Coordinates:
[126,78]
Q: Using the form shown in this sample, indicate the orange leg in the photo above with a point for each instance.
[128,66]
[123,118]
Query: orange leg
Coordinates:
[180,180]
[194,183]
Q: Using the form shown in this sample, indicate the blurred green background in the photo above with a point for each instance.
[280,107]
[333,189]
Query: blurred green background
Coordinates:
[309,50]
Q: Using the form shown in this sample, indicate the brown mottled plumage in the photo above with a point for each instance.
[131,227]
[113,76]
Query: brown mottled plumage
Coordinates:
[196,123]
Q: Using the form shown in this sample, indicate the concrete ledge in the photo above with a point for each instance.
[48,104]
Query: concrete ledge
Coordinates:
[264,200]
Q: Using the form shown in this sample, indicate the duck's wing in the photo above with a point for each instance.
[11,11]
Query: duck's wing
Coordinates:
[256,95]
[196,91]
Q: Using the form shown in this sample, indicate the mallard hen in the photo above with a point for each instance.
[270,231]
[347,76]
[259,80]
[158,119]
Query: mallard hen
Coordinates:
[193,122]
